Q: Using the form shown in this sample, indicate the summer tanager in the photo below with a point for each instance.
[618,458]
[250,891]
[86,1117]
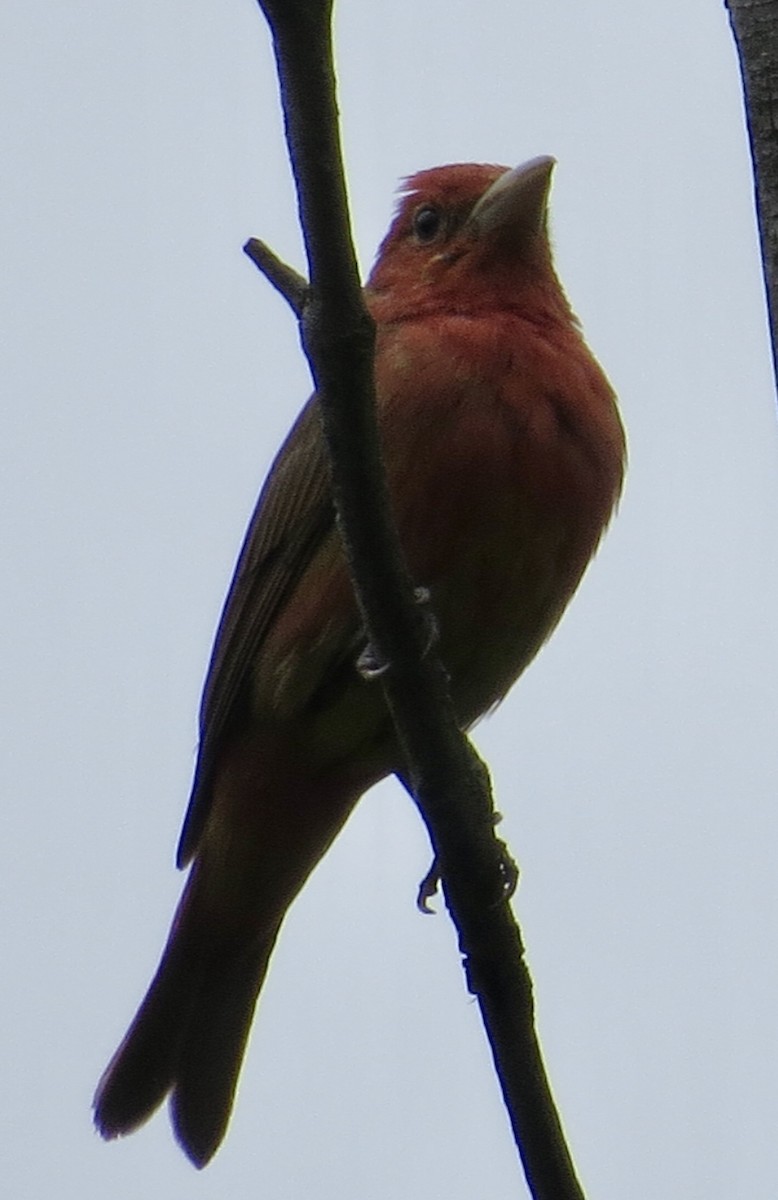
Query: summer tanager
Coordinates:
[504,455]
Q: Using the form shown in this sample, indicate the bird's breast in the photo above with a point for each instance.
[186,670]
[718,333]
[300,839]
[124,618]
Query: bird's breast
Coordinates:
[504,454]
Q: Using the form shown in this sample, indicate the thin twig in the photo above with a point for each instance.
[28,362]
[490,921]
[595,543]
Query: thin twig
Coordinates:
[290,283]
[445,776]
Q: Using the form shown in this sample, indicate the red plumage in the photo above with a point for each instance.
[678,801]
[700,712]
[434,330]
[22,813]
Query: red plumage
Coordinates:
[504,455]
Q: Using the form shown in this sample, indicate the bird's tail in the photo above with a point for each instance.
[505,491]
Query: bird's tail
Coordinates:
[189,1034]
[265,833]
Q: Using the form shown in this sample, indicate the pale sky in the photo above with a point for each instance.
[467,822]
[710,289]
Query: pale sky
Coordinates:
[149,374]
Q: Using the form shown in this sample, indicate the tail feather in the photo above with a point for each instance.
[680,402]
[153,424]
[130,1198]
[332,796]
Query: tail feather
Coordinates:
[187,1039]
[211,1053]
[142,1070]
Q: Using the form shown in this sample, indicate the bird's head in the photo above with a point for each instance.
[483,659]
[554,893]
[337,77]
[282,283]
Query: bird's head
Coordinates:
[468,237]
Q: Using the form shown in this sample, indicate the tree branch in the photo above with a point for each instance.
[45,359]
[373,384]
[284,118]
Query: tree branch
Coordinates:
[444,774]
[755,28]
[290,283]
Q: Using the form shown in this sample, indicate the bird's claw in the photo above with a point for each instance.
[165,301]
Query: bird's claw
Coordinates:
[369,663]
[428,887]
[507,867]
[423,597]
[508,874]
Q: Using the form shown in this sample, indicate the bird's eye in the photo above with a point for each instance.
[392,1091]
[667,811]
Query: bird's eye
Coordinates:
[427,223]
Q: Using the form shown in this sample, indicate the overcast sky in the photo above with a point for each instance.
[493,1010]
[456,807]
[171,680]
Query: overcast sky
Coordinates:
[148,375]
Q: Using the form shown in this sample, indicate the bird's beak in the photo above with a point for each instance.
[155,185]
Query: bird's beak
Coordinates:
[515,204]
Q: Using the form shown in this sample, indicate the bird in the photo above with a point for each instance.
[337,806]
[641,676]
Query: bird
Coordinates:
[504,455]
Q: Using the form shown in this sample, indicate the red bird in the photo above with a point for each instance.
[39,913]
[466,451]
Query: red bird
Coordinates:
[504,454]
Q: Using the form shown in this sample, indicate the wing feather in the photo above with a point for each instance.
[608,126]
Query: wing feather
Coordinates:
[293,514]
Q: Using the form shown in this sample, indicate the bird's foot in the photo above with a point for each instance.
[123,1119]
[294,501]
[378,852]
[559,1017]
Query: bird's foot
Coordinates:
[371,665]
[428,887]
[508,872]
[507,867]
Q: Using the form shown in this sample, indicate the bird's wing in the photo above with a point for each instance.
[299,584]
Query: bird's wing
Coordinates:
[293,514]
